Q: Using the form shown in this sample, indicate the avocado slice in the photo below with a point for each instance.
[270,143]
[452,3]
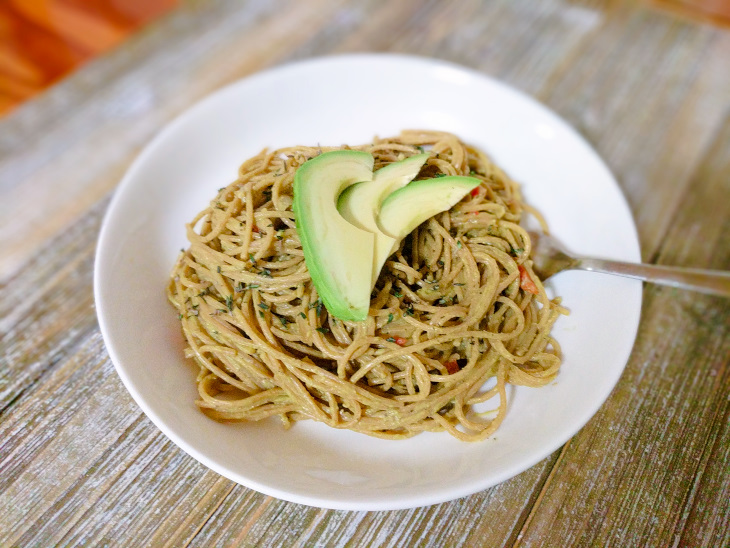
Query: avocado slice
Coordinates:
[360,203]
[338,255]
[408,207]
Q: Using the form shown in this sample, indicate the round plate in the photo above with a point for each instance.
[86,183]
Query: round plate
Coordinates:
[349,99]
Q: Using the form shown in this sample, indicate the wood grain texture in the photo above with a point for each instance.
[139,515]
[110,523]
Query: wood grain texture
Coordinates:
[79,462]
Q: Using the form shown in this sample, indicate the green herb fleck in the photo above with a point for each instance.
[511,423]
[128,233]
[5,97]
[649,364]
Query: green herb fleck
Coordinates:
[440,263]
[252,258]
[397,294]
[253,286]
[218,270]
[323,330]
[409,311]
[459,284]
[518,250]
[283,321]
[261,313]
[265,272]
[179,316]
[458,244]
[279,234]
[264,306]
[229,302]
[390,339]
[303,315]
[439,175]
[390,318]
[419,147]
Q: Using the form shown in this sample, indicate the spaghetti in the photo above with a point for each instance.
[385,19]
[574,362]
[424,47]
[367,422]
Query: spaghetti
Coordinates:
[457,312]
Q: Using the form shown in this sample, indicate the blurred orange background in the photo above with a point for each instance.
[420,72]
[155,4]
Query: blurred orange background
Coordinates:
[43,40]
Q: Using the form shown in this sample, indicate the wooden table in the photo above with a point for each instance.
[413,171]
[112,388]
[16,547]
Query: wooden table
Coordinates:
[81,464]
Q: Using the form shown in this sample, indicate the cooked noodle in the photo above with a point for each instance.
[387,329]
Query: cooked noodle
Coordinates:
[449,324]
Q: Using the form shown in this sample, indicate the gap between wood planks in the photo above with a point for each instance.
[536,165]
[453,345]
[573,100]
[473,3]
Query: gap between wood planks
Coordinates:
[541,494]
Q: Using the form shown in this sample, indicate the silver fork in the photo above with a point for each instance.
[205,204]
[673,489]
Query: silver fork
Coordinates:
[550,258]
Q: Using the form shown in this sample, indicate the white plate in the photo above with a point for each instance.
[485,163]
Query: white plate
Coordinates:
[349,99]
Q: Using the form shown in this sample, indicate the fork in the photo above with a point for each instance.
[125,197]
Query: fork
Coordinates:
[549,257]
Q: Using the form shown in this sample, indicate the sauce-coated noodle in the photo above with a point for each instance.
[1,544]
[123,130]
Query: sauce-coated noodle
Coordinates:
[450,322]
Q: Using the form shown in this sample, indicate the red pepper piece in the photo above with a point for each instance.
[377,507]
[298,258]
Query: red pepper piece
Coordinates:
[526,282]
[452,367]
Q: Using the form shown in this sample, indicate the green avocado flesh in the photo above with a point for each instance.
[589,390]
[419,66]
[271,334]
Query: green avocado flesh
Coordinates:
[338,254]
[360,204]
[408,207]
[350,220]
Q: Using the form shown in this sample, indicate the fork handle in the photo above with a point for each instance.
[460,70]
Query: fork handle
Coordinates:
[714,282]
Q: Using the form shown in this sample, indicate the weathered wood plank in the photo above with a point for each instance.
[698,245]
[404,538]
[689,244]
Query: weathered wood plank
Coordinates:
[79,441]
[642,86]
[48,306]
